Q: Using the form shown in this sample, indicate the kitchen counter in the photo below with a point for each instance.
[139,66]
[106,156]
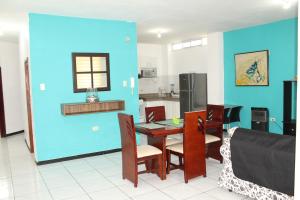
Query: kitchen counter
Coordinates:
[157,97]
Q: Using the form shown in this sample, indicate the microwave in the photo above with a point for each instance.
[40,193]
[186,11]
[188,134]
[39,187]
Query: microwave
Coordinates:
[149,72]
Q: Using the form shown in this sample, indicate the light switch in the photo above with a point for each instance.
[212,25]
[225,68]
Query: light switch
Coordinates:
[42,87]
[125,83]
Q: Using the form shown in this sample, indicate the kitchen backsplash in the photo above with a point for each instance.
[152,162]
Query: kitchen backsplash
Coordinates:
[153,85]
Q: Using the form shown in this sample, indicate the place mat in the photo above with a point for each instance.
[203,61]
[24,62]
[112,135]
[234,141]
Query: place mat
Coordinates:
[151,126]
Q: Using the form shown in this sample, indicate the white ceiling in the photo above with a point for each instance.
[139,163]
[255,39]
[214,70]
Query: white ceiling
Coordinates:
[179,19]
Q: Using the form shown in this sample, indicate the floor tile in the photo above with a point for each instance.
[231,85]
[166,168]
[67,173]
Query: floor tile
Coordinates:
[6,189]
[203,184]
[109,194]
[110,171]
[100,162]
[213,163]
[55,173]
[35,196]
[96,185]
[27,179]
[59,182]
[79,168]
[118,180]
[155,195]
[29,188]
[66,192]
[223,194]
[80,197]
[142,188]
[156,182]
[87,176]
[180,191]
[201,196]
[50,167]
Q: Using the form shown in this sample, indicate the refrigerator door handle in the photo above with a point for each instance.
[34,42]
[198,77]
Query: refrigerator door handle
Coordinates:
[192,92]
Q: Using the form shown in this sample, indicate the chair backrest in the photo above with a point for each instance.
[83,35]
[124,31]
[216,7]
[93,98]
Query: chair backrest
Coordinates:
[234,115]
[194,144]
[156,113]
[129,149]
[215,112]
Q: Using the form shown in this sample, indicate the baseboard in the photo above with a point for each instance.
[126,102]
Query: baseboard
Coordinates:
[77,157]
[14,133]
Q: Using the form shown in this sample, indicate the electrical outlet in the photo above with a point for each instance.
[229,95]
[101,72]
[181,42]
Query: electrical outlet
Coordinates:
[272,119]
[95,128]
[42,86]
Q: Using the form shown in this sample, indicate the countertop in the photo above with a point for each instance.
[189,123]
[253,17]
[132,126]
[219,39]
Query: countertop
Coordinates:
[157,97]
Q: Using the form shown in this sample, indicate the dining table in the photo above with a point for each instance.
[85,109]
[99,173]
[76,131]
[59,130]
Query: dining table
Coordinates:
[157,133]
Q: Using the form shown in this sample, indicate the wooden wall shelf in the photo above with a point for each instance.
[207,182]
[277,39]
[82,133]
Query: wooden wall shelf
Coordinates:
[85,108]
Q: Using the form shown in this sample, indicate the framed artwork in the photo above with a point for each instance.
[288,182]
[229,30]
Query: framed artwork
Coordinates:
[252,68]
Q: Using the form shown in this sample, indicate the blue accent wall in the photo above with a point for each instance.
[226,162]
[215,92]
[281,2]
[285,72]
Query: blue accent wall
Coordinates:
[52,40]
[280,38]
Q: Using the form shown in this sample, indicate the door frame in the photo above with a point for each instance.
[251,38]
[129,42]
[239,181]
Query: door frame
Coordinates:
[2,111]
[28,103]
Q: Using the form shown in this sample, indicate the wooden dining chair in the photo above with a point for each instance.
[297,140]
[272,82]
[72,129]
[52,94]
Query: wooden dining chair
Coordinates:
[214,136]
[193,147]
[158,113]
[133,155]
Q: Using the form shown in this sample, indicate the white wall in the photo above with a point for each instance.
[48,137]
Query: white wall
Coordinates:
[9,61]
[153,56]
[215,69]
[202,59]
[24,54]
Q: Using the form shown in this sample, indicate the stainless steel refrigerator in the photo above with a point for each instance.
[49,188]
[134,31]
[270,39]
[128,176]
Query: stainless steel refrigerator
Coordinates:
[193,92]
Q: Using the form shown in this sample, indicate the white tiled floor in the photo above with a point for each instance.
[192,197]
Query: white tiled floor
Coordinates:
[95,178]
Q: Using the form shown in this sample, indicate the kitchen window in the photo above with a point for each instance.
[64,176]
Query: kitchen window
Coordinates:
[90,70]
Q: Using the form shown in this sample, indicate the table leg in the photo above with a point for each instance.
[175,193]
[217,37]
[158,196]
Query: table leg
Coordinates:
[159,142]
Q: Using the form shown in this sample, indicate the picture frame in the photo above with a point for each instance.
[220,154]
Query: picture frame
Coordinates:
[252,68]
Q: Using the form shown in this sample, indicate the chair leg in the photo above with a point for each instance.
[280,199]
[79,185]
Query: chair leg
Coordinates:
[180,161]
[160,167]
[136,180]
[186,180]
[168,154]
[206,151]
[147,165]
[123,173]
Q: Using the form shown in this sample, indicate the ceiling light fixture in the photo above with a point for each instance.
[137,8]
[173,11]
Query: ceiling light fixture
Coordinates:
[159,32]
[159,35]
[286,4]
